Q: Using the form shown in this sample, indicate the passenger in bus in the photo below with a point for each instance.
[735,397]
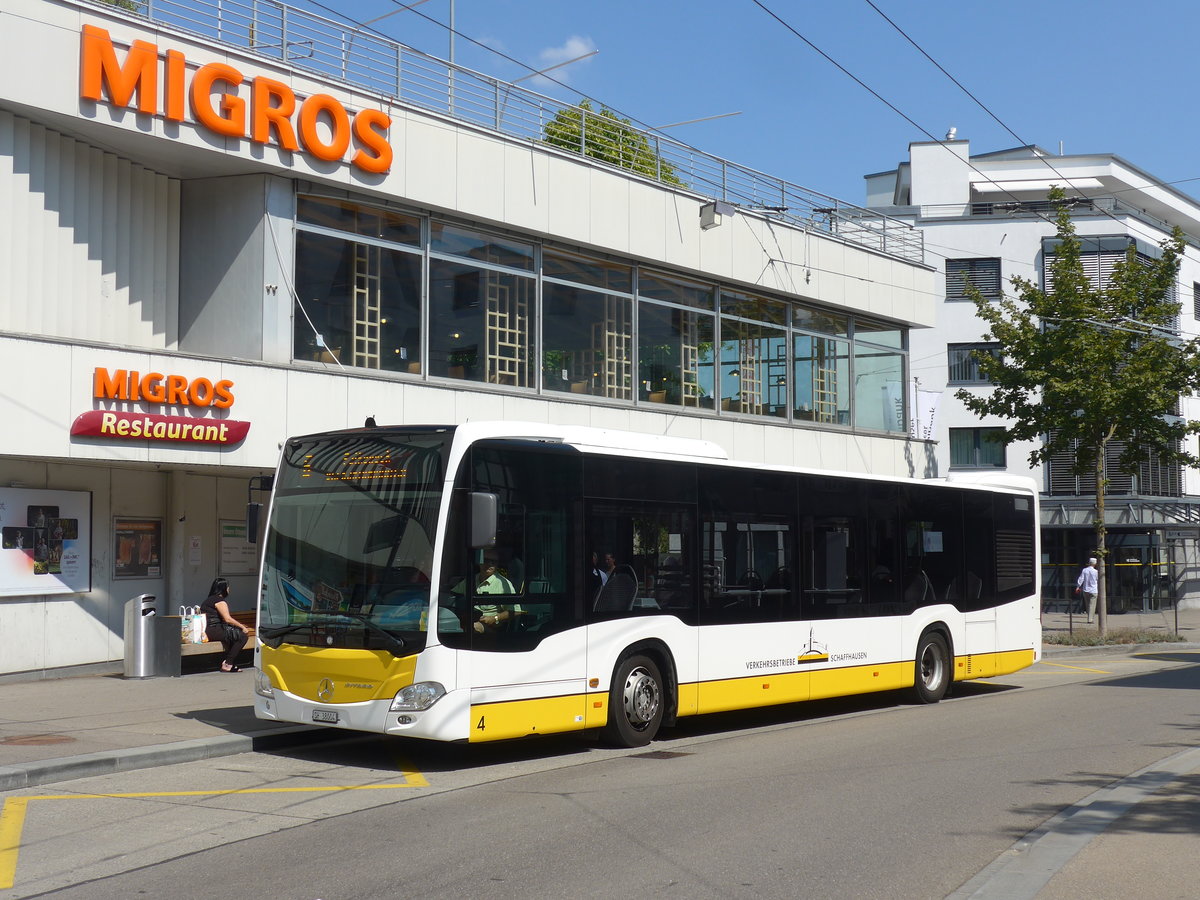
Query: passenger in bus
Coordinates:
[596,576]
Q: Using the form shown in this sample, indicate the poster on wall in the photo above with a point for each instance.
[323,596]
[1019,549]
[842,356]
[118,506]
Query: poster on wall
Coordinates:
[238,556]
[45,542]
[137,548]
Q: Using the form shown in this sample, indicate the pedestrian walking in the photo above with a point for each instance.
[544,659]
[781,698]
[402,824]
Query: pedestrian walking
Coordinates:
[1088,585]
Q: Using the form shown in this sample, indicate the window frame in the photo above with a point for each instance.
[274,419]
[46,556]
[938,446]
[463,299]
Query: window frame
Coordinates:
[967,349]
[978,442]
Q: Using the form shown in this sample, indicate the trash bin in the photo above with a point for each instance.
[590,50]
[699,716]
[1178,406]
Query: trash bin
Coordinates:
[151,640]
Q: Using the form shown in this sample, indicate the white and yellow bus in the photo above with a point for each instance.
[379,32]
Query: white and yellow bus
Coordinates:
[499,580]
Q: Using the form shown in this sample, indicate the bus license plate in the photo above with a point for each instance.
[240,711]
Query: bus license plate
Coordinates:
[328,716]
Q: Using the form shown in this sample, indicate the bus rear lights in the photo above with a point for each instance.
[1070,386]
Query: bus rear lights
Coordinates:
[417,697]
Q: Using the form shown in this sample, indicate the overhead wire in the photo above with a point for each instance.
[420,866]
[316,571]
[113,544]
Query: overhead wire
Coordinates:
[1020,140]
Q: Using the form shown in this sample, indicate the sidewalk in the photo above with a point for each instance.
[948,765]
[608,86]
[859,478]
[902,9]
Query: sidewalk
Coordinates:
[58,729]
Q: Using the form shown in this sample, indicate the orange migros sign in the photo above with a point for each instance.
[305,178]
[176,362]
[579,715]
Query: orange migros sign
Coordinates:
[221,99]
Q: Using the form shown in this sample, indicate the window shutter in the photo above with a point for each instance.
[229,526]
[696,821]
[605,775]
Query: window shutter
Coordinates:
[981,273]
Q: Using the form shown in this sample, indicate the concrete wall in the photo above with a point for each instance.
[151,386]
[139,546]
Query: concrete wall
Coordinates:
[89,242]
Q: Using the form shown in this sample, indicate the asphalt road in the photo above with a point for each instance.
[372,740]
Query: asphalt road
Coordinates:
[863,798]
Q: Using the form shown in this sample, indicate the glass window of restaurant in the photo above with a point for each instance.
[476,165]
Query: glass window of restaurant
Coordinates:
[754,363]
[358,282]
[587,325]
[482,297]
[821,366]
[383,289]
[675,341]
[879,377]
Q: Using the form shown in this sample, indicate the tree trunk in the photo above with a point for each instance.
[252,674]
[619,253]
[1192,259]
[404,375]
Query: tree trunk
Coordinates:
[1101,552]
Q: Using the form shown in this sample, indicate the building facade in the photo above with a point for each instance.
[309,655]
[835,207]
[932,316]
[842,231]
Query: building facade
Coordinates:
[224,225]
[985,219]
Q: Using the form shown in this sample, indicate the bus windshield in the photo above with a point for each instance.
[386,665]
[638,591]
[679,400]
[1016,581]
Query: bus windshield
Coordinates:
[349,547]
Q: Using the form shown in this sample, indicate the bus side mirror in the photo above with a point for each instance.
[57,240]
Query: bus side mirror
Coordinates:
[253,512]
[483,510]
[262,483]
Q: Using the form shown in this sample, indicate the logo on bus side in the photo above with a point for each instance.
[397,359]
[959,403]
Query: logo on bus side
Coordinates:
[814,652]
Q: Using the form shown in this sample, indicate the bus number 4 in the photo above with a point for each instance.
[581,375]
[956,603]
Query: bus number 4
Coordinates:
[480,726]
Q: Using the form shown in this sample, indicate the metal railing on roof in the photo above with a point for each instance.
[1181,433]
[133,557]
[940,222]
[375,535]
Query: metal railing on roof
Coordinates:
[364,59]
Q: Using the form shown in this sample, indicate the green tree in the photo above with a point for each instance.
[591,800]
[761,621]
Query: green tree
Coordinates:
[606,136]
[1081,366]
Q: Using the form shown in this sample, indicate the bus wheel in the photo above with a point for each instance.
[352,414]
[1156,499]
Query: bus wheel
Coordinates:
[932,668]
[635,703]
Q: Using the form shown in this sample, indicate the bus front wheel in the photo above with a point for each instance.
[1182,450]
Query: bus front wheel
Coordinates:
[635,703]
[933,672]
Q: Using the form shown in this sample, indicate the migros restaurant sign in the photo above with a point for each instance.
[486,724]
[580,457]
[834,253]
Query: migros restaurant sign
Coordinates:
[161,390]
[224,101]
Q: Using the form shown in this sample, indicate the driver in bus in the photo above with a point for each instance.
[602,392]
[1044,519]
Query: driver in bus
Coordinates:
[490,616]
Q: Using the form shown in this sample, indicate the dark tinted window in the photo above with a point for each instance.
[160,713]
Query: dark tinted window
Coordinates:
[639,479]
[978,587]
[833,515]
[932,519]
[645,559]
[749,541]
[532,579]
[1014,549]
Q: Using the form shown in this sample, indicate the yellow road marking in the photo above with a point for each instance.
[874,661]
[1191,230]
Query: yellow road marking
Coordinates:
[1076,668]
[12,814]
[12,818]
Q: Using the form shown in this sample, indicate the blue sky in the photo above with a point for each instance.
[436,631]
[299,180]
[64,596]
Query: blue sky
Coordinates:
[1098,76]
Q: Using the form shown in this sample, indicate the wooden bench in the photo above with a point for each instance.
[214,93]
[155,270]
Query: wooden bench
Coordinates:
[246,617]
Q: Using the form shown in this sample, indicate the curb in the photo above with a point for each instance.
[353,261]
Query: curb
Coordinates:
[1121,649]
[107,762]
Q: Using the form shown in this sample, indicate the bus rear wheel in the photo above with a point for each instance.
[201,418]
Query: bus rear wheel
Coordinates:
[932,668]
[635,703]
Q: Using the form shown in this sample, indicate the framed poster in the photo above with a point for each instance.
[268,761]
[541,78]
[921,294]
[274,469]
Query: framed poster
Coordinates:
[137,548]
[238,556]
[45,542]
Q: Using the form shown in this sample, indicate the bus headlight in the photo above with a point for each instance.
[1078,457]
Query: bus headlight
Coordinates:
[418,696]
[262,684]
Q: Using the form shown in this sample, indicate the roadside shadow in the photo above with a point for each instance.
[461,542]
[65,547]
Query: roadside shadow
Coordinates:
[1182,678]
[1172,807]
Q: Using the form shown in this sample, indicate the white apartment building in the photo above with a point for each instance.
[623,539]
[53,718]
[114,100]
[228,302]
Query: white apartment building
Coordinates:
[985,217]
[224,223]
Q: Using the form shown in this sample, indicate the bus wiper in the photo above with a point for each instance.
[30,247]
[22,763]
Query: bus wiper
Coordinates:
[271,636]
[394,644]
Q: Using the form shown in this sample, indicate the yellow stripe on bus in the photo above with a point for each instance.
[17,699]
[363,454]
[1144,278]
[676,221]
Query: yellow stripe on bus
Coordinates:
[543,715]
[576,712]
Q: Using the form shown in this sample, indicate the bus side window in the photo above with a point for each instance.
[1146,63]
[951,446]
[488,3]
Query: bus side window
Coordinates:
[834,511]
[532,590]
[645,559]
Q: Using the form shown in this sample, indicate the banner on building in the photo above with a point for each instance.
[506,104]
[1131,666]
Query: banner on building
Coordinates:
[923,409]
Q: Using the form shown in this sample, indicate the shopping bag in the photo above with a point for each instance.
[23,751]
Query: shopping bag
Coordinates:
[191,625]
